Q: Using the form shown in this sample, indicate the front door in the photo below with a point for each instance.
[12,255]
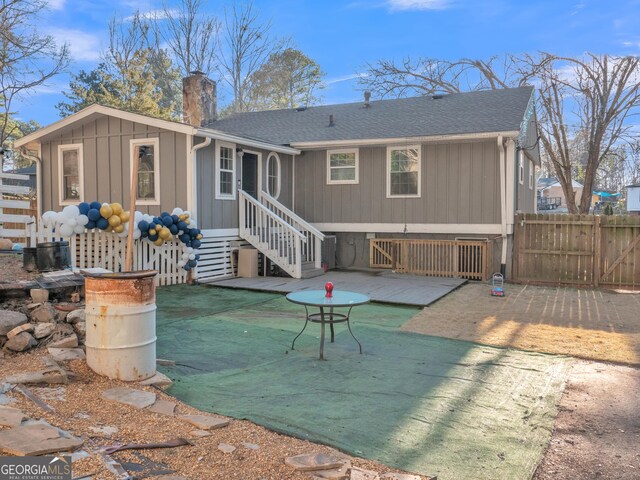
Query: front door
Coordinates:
[250,174]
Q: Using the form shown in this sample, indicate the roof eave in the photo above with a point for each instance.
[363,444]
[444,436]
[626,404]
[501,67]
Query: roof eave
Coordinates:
[402,140]
[250,142]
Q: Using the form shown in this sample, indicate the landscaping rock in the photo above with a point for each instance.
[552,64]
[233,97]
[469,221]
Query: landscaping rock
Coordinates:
[76,316]
[63,330]
[342,473]
[52,376]
[200,433]
[226,448]
[80,328]
[67,342]
[363,474]
[399,476]
[43,330]
[10,320]
[39,295]
[205,422]
[75,297]
[45,313]
[25,327]
[5,244]
[37,439]
[158,380]
[104,430]
[11,417]
[250,446]
[21,342]
[134,398]
[164,407]
[64,354]
[314,461]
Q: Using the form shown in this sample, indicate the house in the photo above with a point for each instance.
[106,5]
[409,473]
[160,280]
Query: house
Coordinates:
[550,192]
[633,199]
[444,166]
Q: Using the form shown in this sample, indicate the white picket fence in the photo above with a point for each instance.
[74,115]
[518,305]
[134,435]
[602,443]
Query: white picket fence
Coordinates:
[99,249]
[216,254]
[8,200]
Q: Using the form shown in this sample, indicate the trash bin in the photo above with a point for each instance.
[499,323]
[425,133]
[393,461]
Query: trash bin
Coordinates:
[248,262]
[53,256]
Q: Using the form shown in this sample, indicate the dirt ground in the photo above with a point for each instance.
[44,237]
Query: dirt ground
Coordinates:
[80,409]
[597,432]
[11,268]
[585,323]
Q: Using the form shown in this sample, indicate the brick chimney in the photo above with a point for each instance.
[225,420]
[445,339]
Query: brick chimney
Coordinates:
[199,102]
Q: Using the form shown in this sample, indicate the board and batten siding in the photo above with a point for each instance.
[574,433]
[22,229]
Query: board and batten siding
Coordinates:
[106,163]
[223,214]
[525,196]
[460,184]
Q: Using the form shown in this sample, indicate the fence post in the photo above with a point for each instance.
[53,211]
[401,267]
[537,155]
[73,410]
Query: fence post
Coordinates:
[597,247]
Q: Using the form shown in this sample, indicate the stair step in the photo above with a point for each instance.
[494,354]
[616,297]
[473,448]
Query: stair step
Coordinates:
[312,272]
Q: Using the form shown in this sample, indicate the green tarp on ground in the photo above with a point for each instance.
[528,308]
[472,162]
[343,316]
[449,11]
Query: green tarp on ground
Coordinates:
[423,404]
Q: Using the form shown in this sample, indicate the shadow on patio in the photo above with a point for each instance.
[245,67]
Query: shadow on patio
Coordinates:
[424,404]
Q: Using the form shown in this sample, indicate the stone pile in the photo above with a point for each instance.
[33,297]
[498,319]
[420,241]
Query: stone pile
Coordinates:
[39,323]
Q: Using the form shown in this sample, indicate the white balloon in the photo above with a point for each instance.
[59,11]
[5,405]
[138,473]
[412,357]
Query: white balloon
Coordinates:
[82,220]
[192,256]
[65,230]
[49,218]
[60,217]
[72,222]
[78,229]
[71,211]
[105,204]
[192,223]
[136,234]
[138,216]
[177,211]
[190,249]
[181,263]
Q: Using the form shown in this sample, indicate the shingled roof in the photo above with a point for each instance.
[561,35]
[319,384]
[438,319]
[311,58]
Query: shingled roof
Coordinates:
[460,113]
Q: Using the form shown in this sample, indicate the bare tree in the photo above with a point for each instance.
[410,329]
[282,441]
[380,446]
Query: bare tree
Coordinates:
[28,59]
[246,45]
[593,95]
[191,35]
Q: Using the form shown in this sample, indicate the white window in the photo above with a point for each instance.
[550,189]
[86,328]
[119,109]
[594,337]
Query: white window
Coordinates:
[342,166]
[70,171]
[532,169]
[226,171]
[146,152]
[403,171]
[273,175]
[520,168]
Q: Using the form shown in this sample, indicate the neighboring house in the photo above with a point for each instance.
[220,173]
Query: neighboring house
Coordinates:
[30,171]
[633,199]
[550,188]
[452,166]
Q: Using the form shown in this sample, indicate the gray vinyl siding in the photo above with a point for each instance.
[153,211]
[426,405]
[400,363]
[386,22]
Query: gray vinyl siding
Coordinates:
[460,184]
[223,214]
[526,197]
[106,163]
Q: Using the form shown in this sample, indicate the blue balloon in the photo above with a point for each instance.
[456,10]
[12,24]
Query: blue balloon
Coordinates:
[144,234]
[95,205]
[187,267]
[167,221]
[183,226]
[143,226]
[175,218]
[84,208]
[184,238]
[157,220]
[173,229]
[153,237]
[193,263]
[90,225]
[165,214]
[196,243]
[102,223]
[93,214]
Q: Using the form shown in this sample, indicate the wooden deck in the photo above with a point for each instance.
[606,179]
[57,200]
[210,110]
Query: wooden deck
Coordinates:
[400,289]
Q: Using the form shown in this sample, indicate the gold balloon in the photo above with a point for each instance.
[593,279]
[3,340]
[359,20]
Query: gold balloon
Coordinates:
[124,216]
[186,221]
[114,220]
[152,231]
[117,208]
[106,211]
[119,228]
[199,236]
[164,233]
[159,242]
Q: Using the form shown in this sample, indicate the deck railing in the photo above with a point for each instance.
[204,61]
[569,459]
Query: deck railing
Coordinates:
[312,248]
[438,258]
[273,236]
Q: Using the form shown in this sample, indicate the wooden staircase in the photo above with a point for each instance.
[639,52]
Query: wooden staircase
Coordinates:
[282,236]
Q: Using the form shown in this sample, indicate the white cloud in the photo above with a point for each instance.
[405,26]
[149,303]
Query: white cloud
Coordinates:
[157,14]
[345,78]
[56,4]
[419,4]
[83,46]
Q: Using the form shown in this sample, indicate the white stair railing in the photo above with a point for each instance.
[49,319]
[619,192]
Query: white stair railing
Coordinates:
[312,248]
[273,236]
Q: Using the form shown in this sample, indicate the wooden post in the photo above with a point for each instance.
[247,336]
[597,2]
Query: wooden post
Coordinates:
[132,210]
[597,253]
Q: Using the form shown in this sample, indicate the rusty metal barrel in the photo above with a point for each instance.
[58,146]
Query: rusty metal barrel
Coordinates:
[121,324]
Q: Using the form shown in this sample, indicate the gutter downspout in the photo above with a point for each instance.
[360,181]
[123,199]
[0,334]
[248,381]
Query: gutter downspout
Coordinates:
[194,175]
[503,205]
[38,160]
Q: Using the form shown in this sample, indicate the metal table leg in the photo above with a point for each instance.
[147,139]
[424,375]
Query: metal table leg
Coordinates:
[322,333]
[331,324]
[349,326]
[306,320]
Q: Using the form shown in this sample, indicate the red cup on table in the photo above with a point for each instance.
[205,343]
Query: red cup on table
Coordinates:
[329,289]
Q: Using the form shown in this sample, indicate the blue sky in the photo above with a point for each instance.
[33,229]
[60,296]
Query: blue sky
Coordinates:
[342,36]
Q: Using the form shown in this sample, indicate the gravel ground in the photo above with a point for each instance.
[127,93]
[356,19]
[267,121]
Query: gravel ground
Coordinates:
[11,268]
[597,432]
[79,409]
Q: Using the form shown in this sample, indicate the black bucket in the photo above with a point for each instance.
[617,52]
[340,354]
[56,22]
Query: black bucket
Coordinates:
[29,259]
[53,256]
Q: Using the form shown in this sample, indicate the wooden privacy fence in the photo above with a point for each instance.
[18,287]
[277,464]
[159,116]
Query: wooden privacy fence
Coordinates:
[438,258]
[96,248]
[577,249]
